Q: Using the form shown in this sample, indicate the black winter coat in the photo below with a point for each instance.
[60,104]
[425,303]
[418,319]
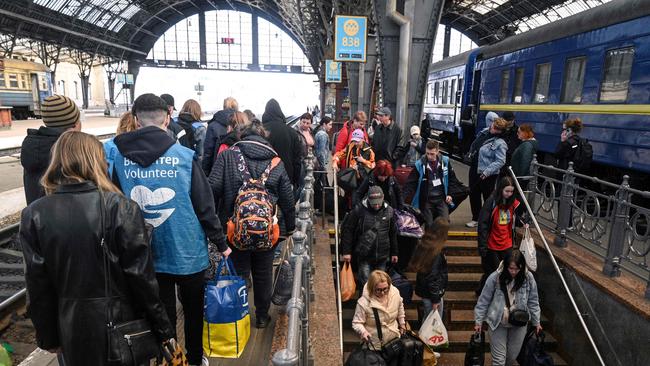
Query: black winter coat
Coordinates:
[35,157]
[565,151]
[60,235]
[432,285]
[484,225]
[284,140]
[390,187]
[226,180]
[361,219]
[217,129]
[387,143]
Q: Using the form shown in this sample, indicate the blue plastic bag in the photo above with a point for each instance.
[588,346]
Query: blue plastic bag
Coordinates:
[226,327]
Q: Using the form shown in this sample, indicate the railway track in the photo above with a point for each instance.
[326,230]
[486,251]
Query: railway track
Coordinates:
[16,150]
[12,272]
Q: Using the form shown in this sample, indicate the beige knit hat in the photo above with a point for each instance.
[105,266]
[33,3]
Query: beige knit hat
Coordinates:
[59,111]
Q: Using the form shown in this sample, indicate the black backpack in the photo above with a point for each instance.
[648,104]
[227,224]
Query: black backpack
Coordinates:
[583,156]
[402,283]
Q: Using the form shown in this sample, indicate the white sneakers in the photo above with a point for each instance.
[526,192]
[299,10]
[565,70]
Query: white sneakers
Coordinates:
[205,361]
[472,224]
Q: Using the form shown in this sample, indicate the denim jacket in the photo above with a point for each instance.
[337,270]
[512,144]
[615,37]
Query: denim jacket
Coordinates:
[492,156]
[492,302]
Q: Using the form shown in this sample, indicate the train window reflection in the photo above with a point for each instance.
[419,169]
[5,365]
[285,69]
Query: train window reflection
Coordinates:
[574,78]
[2,80]
[436,93]
[616,79]
[542,78]
[518,93]
[445,92]
[505,82]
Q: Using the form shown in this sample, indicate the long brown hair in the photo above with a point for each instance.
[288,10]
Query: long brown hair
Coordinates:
[431,244]
[192,107]
[77,157]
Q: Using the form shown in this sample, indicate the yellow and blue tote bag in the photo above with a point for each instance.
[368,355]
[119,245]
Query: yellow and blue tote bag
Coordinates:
[226,324]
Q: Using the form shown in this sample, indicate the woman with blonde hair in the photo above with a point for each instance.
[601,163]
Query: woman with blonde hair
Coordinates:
[231,103]
[238,122]
[379,293]
[82,230]
[127,124]
[193,134]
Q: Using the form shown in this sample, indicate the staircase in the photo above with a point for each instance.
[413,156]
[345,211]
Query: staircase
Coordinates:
[464,274]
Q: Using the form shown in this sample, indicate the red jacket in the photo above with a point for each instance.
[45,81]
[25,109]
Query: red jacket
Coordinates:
[344,137]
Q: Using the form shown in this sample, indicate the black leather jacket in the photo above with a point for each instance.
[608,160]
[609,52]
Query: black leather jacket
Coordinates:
[60,235]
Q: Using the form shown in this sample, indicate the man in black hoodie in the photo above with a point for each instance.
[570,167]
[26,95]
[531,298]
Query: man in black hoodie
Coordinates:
[168,184]
[284,140]
[60,114]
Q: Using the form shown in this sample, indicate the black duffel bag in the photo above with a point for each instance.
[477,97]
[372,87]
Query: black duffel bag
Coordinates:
[364,356]
[347,179]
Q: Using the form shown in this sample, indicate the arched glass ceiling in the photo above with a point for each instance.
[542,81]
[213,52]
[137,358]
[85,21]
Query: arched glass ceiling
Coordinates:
[229,43]
[111,15]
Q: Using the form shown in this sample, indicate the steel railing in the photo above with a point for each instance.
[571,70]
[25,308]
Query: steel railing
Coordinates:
[298,347]
[555,265]
[607,222]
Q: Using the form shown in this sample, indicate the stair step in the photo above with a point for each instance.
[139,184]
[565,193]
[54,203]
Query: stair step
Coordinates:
[464,264]
[459,340]
[461,248]
[458,358]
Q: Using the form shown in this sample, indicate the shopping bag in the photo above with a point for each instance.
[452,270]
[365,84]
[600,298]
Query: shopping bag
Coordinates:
[433,332]
[348,286]
[408,225]
[226,323]
[173,355]
[527,248]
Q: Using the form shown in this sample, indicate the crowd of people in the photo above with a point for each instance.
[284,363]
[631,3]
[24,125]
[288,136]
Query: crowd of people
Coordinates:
[149,204]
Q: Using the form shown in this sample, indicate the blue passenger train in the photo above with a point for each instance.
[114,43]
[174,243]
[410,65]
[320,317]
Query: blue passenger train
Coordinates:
[594,65]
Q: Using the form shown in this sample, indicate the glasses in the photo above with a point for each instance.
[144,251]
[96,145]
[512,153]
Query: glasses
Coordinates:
[381,290]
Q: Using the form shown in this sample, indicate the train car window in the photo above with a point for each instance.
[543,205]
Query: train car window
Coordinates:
[505,82]
[452,94]
[518,92]
[445,92]
[542,78]
[574,78]
[13,80]
[2,79]
[461,85]
[436,93]
[616,79]
[23,81]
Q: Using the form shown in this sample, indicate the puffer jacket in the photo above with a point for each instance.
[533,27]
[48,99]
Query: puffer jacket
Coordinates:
[35,157]
[432,285]
[60,235]
[226,180]
[391,316]
[390,187]
[361,219]
[492,302]
[217,128]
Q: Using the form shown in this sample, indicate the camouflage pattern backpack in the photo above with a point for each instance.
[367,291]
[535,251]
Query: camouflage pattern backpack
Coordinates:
[253,225]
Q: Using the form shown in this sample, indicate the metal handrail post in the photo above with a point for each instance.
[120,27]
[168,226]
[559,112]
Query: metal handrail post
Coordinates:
[338,267]
[291,355]
[556,266]
[564,209]
[612,267]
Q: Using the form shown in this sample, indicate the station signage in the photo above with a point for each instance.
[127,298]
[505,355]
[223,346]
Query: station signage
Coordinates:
[122,78]
[333,72]
[350,37]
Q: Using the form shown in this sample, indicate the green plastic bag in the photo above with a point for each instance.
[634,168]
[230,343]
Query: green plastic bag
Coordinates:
[5,358]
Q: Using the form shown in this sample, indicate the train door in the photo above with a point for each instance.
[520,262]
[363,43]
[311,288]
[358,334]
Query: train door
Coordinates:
[36,95]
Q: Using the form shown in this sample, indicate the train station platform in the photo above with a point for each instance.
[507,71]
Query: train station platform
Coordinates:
[601,298]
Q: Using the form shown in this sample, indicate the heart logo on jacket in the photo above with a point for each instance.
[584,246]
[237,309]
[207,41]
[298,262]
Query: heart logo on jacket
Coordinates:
[148,200]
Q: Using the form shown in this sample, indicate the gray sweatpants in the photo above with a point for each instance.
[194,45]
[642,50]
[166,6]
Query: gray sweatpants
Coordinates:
[505,344]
